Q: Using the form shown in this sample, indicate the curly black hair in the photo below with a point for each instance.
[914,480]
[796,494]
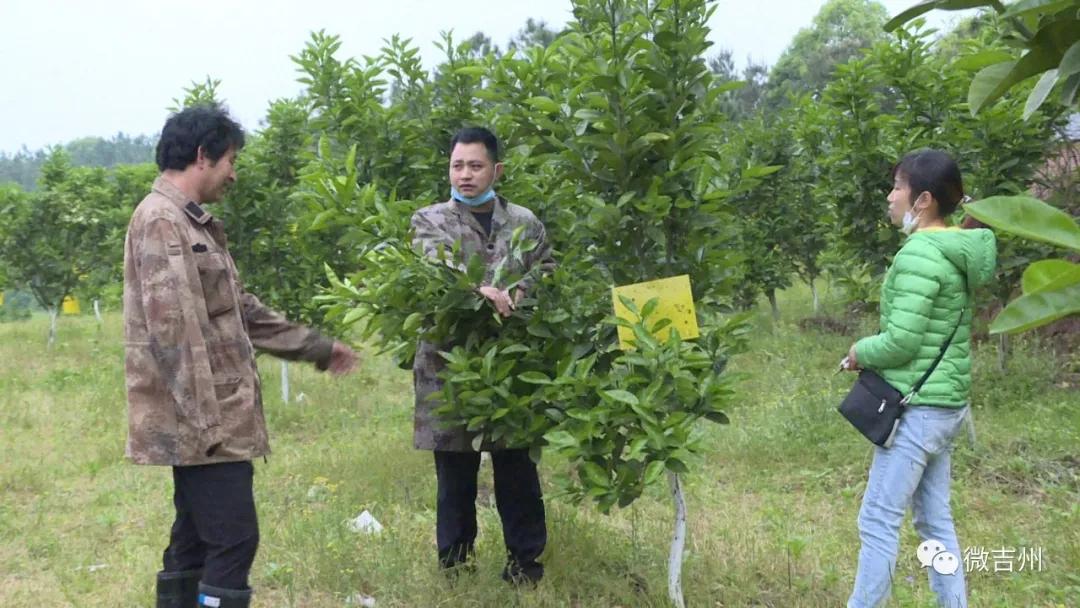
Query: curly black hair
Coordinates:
[206,126]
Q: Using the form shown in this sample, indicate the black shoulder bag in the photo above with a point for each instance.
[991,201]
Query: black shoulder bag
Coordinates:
[874,407]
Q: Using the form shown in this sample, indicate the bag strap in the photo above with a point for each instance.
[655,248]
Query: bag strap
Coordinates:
[941,355]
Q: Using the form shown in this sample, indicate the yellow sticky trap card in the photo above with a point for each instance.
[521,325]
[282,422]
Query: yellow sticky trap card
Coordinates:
[674,301]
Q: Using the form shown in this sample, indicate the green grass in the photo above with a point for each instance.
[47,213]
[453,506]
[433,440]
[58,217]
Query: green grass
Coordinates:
[773,499]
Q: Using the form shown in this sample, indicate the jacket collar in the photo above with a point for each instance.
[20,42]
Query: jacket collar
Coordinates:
[195,211]
[498,215]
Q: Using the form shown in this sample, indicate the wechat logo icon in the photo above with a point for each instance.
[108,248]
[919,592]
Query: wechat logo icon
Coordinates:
[932,554]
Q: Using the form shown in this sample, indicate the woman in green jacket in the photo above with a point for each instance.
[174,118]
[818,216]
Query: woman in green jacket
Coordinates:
[924,297]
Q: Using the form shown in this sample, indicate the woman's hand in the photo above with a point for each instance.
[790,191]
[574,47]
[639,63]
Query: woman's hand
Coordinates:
[851,360]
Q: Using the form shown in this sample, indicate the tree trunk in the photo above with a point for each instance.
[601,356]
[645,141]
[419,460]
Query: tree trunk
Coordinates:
[772,302]
[1003,352]
[678,541]
[97,310]
[284,381]
[817,301]
[969,422]
[53,313]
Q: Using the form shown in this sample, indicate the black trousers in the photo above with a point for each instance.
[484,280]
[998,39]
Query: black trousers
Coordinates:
[517,496]
[216,529]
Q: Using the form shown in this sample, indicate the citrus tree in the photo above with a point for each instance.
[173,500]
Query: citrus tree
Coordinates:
[54,238]
[614,137]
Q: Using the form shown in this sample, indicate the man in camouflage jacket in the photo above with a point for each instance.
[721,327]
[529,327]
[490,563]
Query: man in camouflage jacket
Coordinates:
[482,222]
[193,391]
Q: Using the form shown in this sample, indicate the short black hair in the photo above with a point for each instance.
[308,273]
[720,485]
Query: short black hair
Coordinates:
[205,125]
[935,172]
[472,135]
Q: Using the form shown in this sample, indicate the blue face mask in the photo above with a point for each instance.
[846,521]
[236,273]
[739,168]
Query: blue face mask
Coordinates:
[474,201]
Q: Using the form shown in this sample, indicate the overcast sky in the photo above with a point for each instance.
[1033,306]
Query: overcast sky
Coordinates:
[74,68]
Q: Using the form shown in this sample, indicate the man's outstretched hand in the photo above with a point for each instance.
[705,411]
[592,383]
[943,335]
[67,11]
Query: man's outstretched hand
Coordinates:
[342,359]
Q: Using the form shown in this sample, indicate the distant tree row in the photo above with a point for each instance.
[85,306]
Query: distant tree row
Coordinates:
[24,167]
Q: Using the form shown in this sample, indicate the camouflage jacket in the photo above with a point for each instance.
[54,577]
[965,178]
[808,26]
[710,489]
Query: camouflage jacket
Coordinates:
[444,224]
[190,332]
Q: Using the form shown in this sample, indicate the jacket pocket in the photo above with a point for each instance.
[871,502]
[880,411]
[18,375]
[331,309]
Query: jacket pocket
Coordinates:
[216,283]
[236,402]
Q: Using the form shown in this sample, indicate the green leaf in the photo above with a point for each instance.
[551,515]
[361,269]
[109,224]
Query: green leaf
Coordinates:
[321,219]
[1068,92]
[665,38]
[352,316]
[1070,62]
[1035,310]
[929,5]
[652,138]
[1028,217]
[471,70]
[660,325]
[761,171]
[731,85]
[412,321]
[1040,92]
[653,471]
[985,82]
[676,466]
[477,442]
[622,396]
[544,104]
[534,378]
[465,377]
[1024,8]
[649,308]
[978,61]
[555,414]
[1050,275]
[718,417]
[560,439]
[594,474]
[1044,53]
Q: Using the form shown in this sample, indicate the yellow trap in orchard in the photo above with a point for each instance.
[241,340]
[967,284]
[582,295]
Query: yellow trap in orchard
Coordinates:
[674,302]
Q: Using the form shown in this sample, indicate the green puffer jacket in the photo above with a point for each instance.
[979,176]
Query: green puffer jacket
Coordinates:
[925,289]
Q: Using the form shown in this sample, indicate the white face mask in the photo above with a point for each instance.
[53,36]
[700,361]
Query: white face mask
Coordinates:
[910,222]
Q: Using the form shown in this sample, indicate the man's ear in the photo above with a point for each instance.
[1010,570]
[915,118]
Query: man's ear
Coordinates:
[200,157]
[498,170]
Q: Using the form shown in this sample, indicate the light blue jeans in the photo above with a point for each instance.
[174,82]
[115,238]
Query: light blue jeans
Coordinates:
[915,470]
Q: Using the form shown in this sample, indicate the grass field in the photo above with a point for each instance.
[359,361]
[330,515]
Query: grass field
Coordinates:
[773,500]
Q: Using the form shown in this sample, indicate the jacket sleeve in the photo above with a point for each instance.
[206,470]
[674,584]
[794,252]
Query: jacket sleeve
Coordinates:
[271,332]
[172,325]
[541,261]
[908,317]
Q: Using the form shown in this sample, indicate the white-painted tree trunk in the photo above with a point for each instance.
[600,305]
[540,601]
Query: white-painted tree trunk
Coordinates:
[97,310]
[774,305]
[285,382]
[969,421]
[1003,352]
[53,313]
[678,542]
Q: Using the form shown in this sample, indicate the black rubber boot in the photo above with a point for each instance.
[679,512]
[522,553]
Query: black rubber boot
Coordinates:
[178,589]
[519,575]
[216,597]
